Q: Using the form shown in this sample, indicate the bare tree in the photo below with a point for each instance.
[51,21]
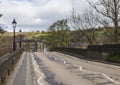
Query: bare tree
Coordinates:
[2,31]
[111,10]
[85,23]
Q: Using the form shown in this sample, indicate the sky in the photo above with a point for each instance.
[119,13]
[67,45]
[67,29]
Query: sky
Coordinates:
[33,15]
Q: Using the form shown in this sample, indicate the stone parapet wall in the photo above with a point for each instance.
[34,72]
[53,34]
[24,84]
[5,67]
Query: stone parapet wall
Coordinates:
[5,50]
[7,64]
[105,48]
[95,52]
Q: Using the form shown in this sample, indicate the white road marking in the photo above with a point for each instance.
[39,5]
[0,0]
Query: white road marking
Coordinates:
[55,58]
[88,61]
[36,69]
[87,71]
[64,62]
[107,77]
[81,69]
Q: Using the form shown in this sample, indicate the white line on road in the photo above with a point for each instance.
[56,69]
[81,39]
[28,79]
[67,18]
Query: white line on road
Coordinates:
[87,71]
[64,62]
[55,58]
[83,70]
[107,77]
[36,68]
[40,78]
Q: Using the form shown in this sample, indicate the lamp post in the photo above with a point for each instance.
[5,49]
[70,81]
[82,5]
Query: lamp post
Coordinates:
[20,31]
[14,40]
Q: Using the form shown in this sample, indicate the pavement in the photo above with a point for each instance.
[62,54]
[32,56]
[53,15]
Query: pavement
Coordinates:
[22,74]
[53,68]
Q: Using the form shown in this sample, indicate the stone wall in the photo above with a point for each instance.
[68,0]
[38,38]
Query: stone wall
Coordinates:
[105,48]
[7,63]
[93,52]
[5,50]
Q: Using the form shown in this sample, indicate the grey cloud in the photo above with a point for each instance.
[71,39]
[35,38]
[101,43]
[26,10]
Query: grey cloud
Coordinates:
[37,14]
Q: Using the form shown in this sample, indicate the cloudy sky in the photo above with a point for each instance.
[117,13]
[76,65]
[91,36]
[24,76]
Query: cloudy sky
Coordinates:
[33,15]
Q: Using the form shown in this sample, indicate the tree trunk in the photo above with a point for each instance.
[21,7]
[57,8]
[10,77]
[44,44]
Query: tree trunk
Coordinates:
[116,33]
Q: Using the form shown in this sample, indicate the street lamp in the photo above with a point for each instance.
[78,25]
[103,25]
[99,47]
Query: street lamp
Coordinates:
[14,40]
[20,31]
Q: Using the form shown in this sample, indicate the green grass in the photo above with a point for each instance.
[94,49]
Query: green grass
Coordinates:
[35,35]
[7,38]
[100,33]
[40,35]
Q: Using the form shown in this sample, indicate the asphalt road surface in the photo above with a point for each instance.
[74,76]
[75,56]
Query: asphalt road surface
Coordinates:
[60,69]
[53,68]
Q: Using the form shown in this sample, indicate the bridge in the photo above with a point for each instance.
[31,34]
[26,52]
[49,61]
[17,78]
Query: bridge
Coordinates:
[26,66]
[33,44]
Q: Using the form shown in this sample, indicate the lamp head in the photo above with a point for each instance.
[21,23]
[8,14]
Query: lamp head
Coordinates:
[20,31]
[14,23]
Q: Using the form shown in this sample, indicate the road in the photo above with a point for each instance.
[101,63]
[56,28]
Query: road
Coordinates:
[53,68]
[61,69]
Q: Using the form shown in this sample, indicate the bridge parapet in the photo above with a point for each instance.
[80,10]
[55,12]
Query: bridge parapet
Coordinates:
[7,64]
[106,52]
[5,50]
[105,48]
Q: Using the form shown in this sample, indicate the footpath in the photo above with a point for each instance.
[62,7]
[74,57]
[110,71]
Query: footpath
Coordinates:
[22,73]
